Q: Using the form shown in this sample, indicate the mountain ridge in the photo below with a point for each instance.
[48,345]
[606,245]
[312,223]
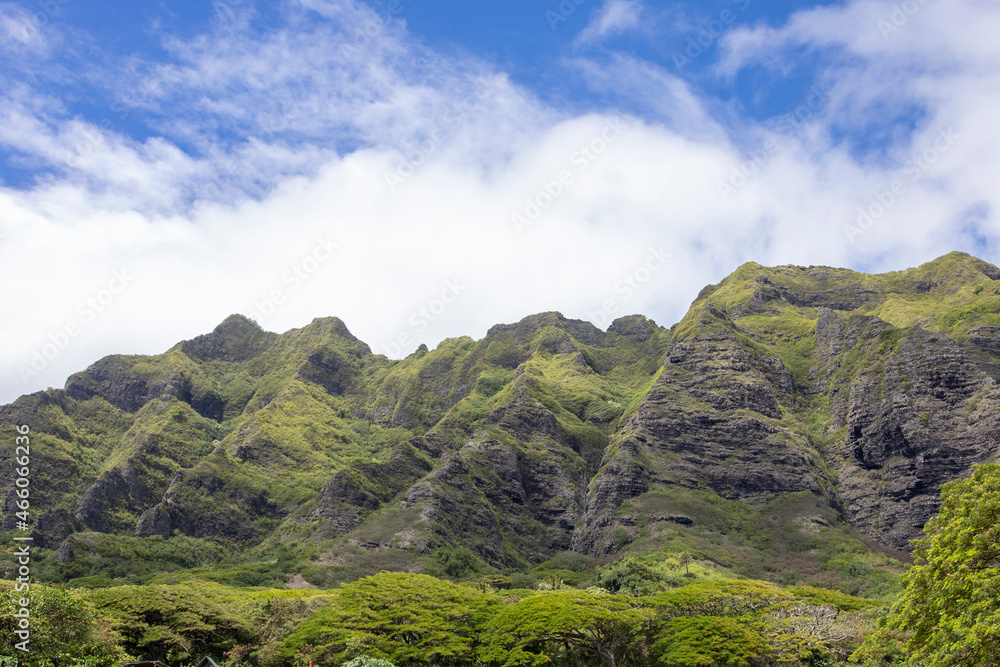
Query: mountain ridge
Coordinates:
[830,397]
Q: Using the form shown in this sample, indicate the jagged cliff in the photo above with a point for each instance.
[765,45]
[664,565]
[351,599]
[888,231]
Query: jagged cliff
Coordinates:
[850,396]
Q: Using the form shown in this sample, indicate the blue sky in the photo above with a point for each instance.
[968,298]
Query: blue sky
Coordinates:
[427,168]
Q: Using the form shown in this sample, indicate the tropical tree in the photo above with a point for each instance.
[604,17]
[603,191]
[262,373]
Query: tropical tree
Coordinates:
[405,618]
[274,618]
[739,623]
[63,627]
[537,629]
[628,575]
[949,611]
[174,623]
[685,559]
[721,598]
[715,623]
[707,641]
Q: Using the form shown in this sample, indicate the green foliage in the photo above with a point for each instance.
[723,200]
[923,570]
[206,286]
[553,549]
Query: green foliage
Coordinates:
[457,563]
[490,383]
[628,575]
[533,630]
[173,623]
[795,539]
[950,606]
[63,626]
[405,618]
[344,562]
[685,560]
[410,619]
[746,623]
[118,559]
[273,619]
[718,598]
[708,641]
[550,577]
[825,596]
[566,560]
[495,582]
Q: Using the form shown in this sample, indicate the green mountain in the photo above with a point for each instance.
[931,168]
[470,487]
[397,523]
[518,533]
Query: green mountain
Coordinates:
[795,425]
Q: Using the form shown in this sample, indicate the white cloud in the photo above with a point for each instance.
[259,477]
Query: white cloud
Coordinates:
[614,18]
[459,168]
[21,31]
[654,92]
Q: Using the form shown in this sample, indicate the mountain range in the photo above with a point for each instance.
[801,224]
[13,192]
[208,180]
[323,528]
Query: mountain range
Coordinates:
[794,415]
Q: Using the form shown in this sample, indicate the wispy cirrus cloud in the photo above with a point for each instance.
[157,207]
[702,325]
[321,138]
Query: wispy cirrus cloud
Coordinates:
[239,110]
[613,18]
[20,33]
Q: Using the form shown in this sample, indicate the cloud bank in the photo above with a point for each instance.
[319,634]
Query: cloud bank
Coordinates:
[332,164]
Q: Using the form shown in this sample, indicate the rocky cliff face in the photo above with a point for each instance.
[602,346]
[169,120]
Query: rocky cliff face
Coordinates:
[860,392]
[789,379]
[920,421]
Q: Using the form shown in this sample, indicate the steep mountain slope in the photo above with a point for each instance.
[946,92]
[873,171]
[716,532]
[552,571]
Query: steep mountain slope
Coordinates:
[868,389]
[803,403]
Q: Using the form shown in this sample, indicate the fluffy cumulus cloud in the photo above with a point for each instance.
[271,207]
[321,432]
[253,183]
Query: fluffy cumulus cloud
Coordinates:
[334,165]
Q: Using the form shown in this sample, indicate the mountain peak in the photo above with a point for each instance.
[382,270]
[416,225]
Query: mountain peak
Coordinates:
[527,328]
[956,269]
[236,338]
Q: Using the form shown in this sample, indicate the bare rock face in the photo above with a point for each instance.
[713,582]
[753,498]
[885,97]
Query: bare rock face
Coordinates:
[330,369]
[108,496]
[923,421]
[906,409]
[355,492]
[235,339]
[501,501]
[54,526]
[116,379]
[154,521]
[207,502]
[111,379]
[709,422]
